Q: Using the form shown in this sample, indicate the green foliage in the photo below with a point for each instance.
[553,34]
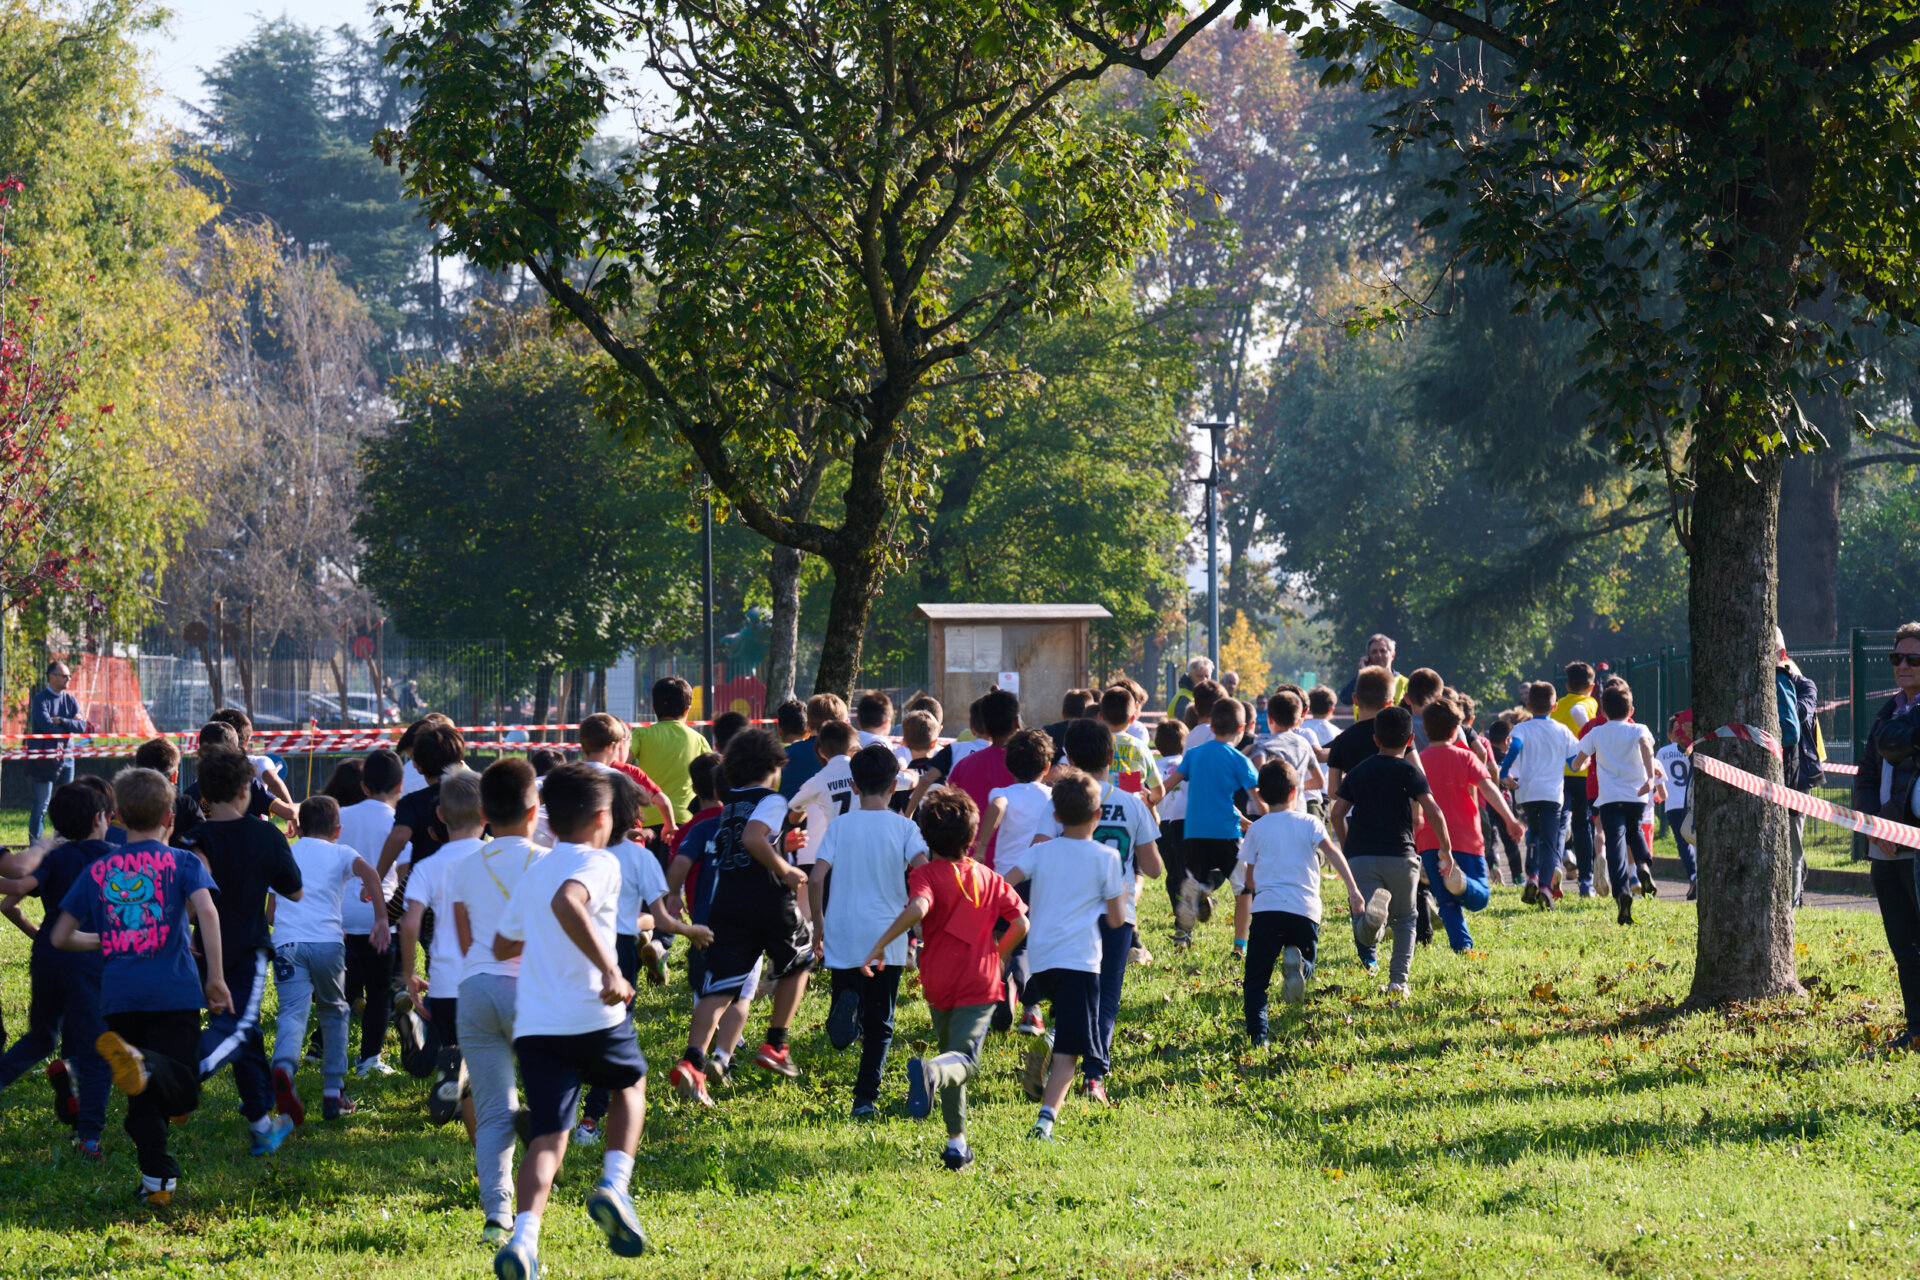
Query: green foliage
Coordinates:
[289,118]
[500,505]
[1880,548]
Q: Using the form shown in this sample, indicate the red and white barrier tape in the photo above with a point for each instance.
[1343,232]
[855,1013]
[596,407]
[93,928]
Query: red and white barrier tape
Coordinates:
[1878,828]
[1848,769]
[1749,733]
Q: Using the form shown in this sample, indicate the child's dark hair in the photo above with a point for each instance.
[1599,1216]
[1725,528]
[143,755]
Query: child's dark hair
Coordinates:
[1441,720]
[411,734]
[507,790]
[1393,728]
[874,709]
[919,731]
[626,805]
[1283,709]
[1319,700]
[239,721]
[544,761]
[704,773]
[346,785]
[1170,737]
[1540,698]
[320,816]
[573,794]
[1228,719]
[751,757]
[438,748]
[1277,783]
[999,712]
[1117,707]
[1617,703]
[1089,745]
[1205,694]
[74,808]
[600,731]
[672,697]
[1029,754]
[928,703]
[875,769]
[98,783]
[791,716]
[145,798]
[1424,685]
[1076,798]
[381,772]
[225,776]
[216,733]
[835,738]
[948,822]
[725,725]
[157,754]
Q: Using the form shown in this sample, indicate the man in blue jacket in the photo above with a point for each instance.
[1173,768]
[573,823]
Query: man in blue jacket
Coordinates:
[1799,701]
[52,710]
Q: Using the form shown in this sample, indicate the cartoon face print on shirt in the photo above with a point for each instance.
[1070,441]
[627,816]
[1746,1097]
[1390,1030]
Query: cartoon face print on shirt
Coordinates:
[135,886]
[129,894]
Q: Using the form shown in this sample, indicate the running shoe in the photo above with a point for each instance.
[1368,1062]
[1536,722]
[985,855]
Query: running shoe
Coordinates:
[265,1144]
[1204,908]
[286,1100]
[89,1148]
[1647,886]
[1187,913]
[865,1110]
[374,1066]
[1693,889]
[719,1070]
[1031,1023]
[1398,989]
[1033,1073]
[919,1093]
[129,1066]
[958,1159]
[1094,1091]
[159,1199]
[1625,915]
[587,1133]
[779,1061]
[843,1019]
[1528,894]
[1042,1131]
[449,1082]
[689,1083]
[612,1211]
[66,1108]
[1373,923]
[1140,956]
[333,1108]
[495,1234]
[1293,976]
[516,1261]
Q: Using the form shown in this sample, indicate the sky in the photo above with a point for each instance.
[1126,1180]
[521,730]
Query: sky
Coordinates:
[202,30]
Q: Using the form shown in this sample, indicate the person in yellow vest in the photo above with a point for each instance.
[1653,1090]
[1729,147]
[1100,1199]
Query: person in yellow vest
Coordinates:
[1573,710]
[1380,651]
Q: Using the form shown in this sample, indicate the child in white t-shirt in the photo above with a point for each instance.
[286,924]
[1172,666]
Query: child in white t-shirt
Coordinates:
[429,888]
[572,1024]
[1077,885]
[1281,857]
[310,956]
[1022,813]
[364,828]
[481,885]
[1622,752]
[1676,766]
[1535,768]
[865,859]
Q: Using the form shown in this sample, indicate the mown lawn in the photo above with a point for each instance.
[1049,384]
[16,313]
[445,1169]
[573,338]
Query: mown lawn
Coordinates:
[1539,1108]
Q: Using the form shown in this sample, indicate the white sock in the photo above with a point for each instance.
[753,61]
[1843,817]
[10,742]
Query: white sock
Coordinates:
[958,1142]
[263,1125]
[616,1170]
[151,1184]
[720,1058]
[526,1229]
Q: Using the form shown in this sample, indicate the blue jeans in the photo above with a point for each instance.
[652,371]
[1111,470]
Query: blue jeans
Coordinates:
[1579,818]
[66,1001]
[43,796]
[307,974]
[1621,823]
[235,1037]
[1544,839]
[1114,946]
[1673,817]
[1454,908]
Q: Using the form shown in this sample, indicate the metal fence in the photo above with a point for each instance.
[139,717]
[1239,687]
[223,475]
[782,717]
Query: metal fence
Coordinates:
[742,686]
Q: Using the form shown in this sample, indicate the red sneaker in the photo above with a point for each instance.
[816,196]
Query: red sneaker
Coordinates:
[1094,1091]
[779,1061]
[285,1100]
[1032,1024]
[690,1083]
[66,1107]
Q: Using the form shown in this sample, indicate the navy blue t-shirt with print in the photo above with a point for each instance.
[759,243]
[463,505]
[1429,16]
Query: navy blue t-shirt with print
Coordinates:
[694,849]
[53,879]
[135,898]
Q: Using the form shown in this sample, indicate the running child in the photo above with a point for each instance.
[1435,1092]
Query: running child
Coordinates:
[1077,884]
[1538,752]
[1622,752]
[1459,780]
[1170,742]
[430,888]
[690,881]
[1212,772]
[961,907]
[1281,855]
[863,866]
[759,910]
[133,905]
[1676,763]
[310,958]
[1017,816]
[372,974]
[572,1022]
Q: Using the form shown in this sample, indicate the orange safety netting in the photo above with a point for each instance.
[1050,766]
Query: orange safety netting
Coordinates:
[108,690]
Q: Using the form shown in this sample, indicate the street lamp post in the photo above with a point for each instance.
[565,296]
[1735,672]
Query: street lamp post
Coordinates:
[1214,431]
[706,606]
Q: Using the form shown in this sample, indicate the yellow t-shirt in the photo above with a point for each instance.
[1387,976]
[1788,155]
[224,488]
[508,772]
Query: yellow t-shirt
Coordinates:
[663,751]
[1573,711]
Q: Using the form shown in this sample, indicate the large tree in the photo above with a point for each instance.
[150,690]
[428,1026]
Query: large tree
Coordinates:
[1682,180]
[804,220]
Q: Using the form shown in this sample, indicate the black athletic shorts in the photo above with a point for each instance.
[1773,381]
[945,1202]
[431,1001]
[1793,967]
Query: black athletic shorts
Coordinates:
[552,1069]
[1075,996]
[773,929]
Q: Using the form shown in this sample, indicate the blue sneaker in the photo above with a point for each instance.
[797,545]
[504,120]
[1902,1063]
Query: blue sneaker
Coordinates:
[612,1212]
[265,1144]
[919,1096]
[516,1261]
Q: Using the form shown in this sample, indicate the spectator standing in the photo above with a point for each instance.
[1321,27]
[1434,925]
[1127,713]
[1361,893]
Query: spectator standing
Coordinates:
[1884,787]
[1380,651]
[1799,700]
[52,710]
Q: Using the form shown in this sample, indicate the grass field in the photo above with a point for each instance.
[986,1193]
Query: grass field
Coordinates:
[1540,1107]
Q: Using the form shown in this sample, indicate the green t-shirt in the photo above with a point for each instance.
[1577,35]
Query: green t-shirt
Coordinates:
[663,752]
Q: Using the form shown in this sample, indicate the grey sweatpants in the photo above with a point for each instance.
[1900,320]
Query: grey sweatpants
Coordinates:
[485,1019]
[959,1033]
[1401,878]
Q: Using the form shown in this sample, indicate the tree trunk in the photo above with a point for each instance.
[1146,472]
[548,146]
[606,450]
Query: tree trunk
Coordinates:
[542,697]
[854,584]
[1810,549]
[1745,935]
[783,644]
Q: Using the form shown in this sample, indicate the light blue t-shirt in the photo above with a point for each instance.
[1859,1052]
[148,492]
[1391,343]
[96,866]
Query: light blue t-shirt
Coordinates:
[1213,772]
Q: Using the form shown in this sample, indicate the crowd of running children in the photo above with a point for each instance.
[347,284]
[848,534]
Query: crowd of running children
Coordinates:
[499,920]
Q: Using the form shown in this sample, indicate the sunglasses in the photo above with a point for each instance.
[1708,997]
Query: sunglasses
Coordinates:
[1908,659]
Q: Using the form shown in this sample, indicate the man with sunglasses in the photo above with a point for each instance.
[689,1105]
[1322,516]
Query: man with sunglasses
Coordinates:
[1884,787]
[51,710]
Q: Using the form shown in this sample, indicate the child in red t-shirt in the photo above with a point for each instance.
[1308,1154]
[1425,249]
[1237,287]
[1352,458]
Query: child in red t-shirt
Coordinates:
[1459,779]
[958,901]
